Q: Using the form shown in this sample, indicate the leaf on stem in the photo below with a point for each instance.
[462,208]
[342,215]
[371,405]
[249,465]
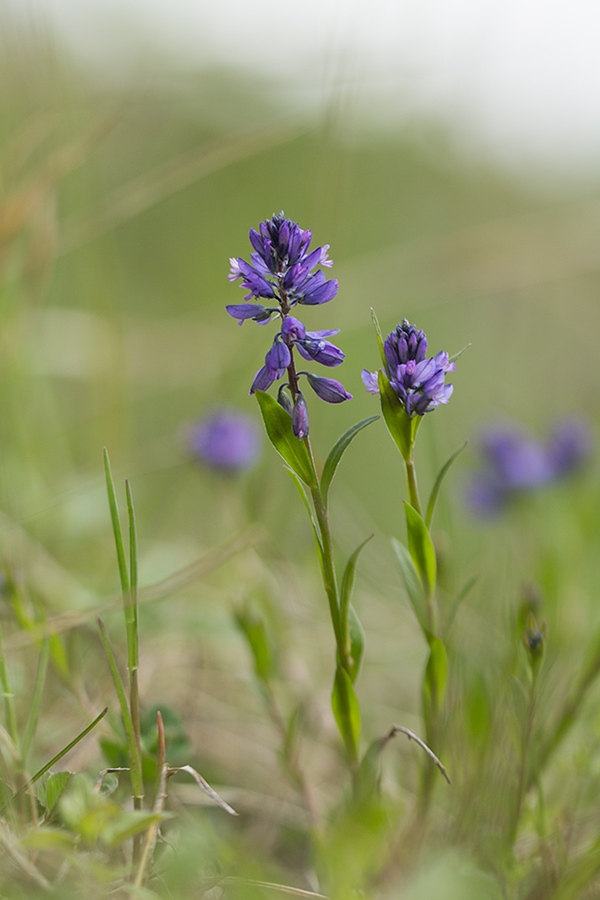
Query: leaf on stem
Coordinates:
[434,682]
[137,786]
[402,428]
[337,452]
[438,483]
[349,620]
[377,327]
[421,548]
[116,523]
[278,425]
[253,629]
[412,583]
[346,711]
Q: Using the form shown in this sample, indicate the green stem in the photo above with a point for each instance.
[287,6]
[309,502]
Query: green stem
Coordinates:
[340,629]
[523,765]
[411,484]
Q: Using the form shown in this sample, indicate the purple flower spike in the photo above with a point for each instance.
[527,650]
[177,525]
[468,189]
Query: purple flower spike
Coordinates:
[417,382]
[225,440]
[327,388]
[300,418]
[282,267]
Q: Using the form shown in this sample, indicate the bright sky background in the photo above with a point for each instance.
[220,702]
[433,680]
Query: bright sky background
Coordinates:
[521,76]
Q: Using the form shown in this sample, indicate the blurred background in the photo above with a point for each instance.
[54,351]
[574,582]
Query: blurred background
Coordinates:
[447,152]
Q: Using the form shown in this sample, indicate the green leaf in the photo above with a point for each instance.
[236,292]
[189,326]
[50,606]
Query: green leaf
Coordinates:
[459,599]
[460,353]
[36,700]
[412,583]
[253,629]
[278,425]
[377,327]
[135,765]
[337,452]
[346,710]
[54,789]
[357,642]
[420,548]
[348,616]
[438,483]
[124,826]
[434,682]
[302,491]
[401,427]
[116,524]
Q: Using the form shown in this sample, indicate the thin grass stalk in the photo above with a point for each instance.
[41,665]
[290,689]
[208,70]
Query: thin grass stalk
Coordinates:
[135,769]
[36,701]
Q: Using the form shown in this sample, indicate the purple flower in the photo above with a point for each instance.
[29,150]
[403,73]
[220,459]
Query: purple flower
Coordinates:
[300,417]
[282,268]
[419,383]
[282,265]
[327,388]
[514,463]
[226,440]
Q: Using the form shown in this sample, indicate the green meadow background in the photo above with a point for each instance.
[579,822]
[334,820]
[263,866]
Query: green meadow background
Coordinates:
[120,203]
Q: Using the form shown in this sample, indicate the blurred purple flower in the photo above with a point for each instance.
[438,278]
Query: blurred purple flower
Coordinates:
[226,440]
[419,383]
[515,463]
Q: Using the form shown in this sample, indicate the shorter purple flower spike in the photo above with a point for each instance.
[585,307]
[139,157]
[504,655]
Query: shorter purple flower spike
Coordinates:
[417,382]
[327,388]
[225,440]
[300,417]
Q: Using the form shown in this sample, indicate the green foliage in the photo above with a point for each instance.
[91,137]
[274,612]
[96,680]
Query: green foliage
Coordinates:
[278,425]
[333,460]
[346,710]
[421,549]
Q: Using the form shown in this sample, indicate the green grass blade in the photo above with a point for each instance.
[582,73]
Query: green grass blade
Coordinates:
[65,750]
[130,600]
[116,524]
[36,701]
[137,786]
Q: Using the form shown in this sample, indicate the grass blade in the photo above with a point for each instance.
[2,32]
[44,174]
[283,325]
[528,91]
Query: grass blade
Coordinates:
[116,524]
[137,786]
[36,700]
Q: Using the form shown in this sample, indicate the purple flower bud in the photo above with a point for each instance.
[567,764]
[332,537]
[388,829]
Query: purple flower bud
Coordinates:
[327,389]
[226,440]
[278,358]
[300,417]
[321,351]
[284,400]
[263,379]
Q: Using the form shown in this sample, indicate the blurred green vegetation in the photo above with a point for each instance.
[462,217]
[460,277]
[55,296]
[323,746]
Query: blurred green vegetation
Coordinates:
[119,208]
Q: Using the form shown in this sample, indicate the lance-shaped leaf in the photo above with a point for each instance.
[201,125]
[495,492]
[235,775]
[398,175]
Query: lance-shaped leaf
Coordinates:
[421,548]
[278,425]
[402,428]
[377,327]
[348,618]
[438,483]
[412,583]
[434,682]
[253,629]
[337,452]
[346,711]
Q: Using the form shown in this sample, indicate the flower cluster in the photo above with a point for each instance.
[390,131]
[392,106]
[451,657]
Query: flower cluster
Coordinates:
[417,382]
[515,463]
[282,270]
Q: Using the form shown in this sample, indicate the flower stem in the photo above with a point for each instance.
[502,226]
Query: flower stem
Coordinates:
[411,483]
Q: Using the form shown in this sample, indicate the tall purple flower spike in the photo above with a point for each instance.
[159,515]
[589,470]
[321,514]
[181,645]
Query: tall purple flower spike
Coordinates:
[419,383]
[282,269]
